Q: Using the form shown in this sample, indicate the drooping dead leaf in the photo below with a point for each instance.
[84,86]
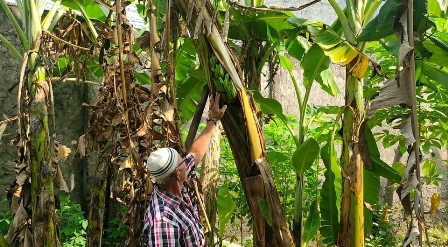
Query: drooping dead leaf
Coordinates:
[403,54]
[406,130]
[418,202]
[15,194]
[19,221]
[81,148]
[59,181]
[409,184]
[28,238]
[393,93]
[413,234]
[126,164]
[409,165]
[435,202]
[359,66]
[22,177]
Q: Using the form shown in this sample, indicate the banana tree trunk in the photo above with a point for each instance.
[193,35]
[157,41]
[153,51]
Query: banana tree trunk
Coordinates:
[44,223]
[255,173]
[94,231]
[42,190]
[352,209]
[209,178]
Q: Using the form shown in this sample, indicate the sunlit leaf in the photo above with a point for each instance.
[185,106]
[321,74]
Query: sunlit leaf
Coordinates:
[92,9]
[313,63]
[269,106]
[226,206]
[285,62]
[327,82]
[436,74]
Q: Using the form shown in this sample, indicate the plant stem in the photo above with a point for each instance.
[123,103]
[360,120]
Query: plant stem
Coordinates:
[86,17]
[349,35]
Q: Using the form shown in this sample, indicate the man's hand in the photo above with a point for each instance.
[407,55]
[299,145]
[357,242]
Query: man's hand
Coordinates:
[216,113]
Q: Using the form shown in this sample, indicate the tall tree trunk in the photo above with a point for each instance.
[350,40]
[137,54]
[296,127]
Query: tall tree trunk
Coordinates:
[209,178]
[97,210]
[352,209]
[44,223]
[255,173]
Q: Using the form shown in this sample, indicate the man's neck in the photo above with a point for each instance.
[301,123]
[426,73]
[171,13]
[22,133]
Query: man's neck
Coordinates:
[173,188]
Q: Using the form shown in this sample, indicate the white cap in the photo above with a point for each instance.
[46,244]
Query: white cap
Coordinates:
[162,162]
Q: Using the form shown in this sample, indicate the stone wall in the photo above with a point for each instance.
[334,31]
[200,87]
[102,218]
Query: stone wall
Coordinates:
[9,71]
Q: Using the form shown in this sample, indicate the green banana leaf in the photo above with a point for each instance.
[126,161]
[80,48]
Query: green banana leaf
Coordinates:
[437,53]
[269,106]
[382,25]
[312,223]
[256,24]
[437,8]
[435,73]
[327,82]
[186,59]
[305,155]
[188,94]
[331,195]
[226,206]
[379,167]
[314,62]
[92,8]
[371,191]
[338,50]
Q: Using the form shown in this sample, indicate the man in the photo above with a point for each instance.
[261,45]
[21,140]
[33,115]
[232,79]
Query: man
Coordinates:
[171,219]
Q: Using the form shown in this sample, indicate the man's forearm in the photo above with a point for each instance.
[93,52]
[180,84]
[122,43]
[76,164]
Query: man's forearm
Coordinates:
[200,145]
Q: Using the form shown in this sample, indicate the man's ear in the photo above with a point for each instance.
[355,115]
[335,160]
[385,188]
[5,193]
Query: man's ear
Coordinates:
[177,174]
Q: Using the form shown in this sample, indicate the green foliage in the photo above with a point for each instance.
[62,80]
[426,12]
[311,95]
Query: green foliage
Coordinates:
[312,223]
[226,206]
[73,224]
[305,155]
[331,195]
[116,229]
[5,217]
[431,173]
[383,231]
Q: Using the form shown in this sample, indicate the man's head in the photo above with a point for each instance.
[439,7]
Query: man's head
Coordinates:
[162,163]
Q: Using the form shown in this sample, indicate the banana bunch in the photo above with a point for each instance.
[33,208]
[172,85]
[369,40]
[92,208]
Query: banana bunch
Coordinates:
[222,80]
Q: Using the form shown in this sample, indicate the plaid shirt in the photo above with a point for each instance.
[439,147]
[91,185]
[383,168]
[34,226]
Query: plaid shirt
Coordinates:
[170,221]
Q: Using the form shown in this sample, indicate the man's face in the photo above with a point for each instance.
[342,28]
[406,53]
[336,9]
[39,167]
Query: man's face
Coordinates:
[182,168]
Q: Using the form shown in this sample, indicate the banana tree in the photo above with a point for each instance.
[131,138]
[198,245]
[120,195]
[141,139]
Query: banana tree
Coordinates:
[38,170]
[412,18]
[34,186]
[252,168]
